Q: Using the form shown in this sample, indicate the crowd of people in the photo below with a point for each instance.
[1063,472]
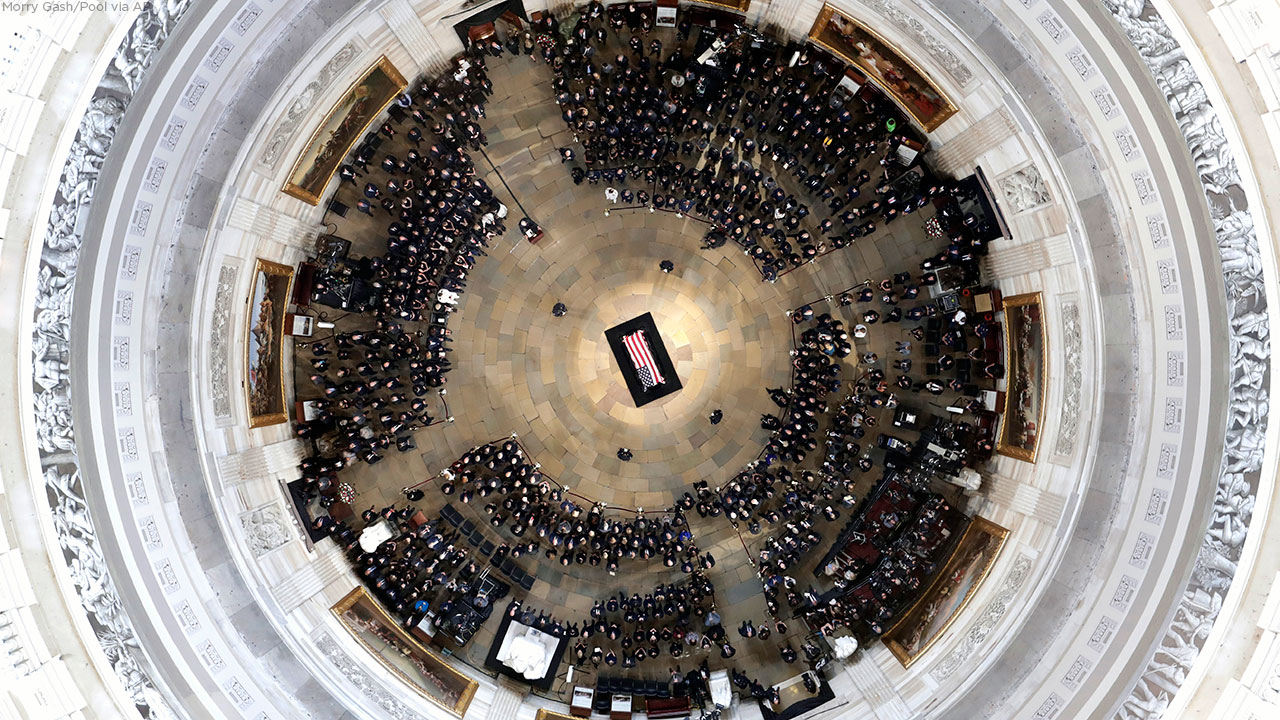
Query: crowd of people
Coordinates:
[750,145]
[816,370]
[886,564]
[373,381]
[373,386]
[421,567]
[675,619]
[743,144]
[523,502]
[746,142]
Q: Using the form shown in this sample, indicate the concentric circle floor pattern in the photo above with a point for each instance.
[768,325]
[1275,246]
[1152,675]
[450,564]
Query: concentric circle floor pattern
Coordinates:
[554,381]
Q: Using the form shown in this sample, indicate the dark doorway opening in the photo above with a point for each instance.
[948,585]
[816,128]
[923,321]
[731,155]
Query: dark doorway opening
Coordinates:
[483,24]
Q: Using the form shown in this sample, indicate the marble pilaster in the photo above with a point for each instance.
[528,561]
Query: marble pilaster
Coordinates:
[1023,498]
[278,460]
[876,688]
[957,156]
[409,29]
[1009,261]
[303,584]
[271,223]
[507,698]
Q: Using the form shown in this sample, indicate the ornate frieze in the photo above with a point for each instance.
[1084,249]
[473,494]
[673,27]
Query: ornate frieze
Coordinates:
[937,49]
[1248,334]
[355,674]
[300,107]
[51,335]
[981,628]
[1072,341]
[219,351]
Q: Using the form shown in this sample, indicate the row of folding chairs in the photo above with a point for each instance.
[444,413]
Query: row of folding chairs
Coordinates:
[475,538]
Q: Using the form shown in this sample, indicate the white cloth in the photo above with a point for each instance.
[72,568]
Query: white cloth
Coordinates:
[844,646]
[968,479]
[527,650]
[721,690]
[375,535]
[611,194]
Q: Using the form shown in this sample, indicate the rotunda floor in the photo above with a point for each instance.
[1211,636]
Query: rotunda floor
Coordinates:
[553,381]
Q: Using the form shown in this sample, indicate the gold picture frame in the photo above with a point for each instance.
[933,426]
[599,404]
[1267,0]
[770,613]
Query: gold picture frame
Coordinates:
[735,5]
[545,714]
[371,626]
[919,627]
[1025,377]
[343,126]
[884,65]
[265,313]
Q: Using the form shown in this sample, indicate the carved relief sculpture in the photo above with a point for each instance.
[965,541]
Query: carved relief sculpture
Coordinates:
[51,335]
[1249,335]
[1024,189]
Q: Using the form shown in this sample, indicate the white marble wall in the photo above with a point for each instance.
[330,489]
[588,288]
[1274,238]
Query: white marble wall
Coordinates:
[1238,47]
[50,64]
[226,209]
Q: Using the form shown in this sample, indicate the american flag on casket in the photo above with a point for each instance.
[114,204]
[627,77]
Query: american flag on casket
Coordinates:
[646,368]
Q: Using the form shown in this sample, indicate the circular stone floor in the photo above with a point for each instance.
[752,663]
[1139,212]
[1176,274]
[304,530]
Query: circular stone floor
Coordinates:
[554,381]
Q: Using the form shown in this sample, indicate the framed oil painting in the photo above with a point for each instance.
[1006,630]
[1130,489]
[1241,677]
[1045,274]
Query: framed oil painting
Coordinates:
[545,714]
[1025,370]
[341,129]
[423,670]
[944,599]
[883,65]
[734,5]
[264,368]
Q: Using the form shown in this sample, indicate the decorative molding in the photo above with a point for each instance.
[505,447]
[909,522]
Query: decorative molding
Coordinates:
[265,529]
[1249,380]
[356,675]
[51,336]
[1072,354]
[1024,189]
[219,348]
[957,155]
[981,629]
[946,59]
[271,223]
[300,108]
[407,26]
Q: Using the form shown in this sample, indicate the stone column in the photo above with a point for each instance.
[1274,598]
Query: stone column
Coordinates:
[785,14]
[329,567]
[1023,499]
[507,698]
[957,156]
[877,690]
[276,461]
[1006,260]
[46,685]
[409,29]
[270,223]
[15,587]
